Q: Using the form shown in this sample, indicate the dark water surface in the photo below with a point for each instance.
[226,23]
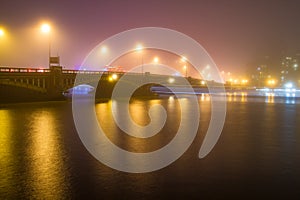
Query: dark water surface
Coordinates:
[257,155]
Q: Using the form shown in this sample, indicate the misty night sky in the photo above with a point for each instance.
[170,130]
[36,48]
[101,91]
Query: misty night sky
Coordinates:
[235,33]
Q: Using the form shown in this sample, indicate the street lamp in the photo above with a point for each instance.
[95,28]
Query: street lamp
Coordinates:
[2,32]
[184,60]
[185,68]
[271,82]
[140,48]
[46,29]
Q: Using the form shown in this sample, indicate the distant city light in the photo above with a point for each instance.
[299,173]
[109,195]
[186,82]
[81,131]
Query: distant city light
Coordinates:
[171,80]
[288,85]
[244,81]
[271,82]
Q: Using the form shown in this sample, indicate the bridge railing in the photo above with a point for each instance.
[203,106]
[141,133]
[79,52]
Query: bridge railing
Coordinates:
[71,71]
[23,70]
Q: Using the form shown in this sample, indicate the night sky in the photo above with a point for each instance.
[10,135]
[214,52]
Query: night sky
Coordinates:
[235,33]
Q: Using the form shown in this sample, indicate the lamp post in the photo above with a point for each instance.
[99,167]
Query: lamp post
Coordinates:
[46,29]
[139,48]
[184,60]
[185,68]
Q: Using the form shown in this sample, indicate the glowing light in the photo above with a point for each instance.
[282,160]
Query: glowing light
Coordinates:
[244,81]
[139,47]
[2,33]
[183,59]
[288,85]
[45,28]
[171,98]
[171,80]
[271,82]
[202,82]
[185,69]
[114,76]
[104,49]
[156,60]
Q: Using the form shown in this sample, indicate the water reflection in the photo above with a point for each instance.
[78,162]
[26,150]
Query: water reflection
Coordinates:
[32,158]
[46,157]
[270,98]
[139,114]
[6,150]
[259,144]
[204,97]
[290,101]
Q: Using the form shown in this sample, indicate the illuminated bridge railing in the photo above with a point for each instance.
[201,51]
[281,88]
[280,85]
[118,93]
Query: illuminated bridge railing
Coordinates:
[42,70]
[67,71]
[71,71]
[23,70]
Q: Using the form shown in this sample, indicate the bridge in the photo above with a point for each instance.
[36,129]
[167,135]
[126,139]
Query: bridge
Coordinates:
[18,84]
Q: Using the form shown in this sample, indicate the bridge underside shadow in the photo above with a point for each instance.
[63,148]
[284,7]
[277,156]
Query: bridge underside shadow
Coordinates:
[14,94]
[104,88]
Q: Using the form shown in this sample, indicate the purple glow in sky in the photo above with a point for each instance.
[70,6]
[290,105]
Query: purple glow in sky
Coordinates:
[234,33]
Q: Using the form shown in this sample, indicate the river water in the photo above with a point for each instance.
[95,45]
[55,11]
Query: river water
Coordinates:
[257,155]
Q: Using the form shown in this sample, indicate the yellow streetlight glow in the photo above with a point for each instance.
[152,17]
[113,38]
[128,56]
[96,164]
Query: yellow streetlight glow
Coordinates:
[185,68]
[2,33]
[104,49]
[139,48]
[156,59]
[114,76]
[244,81]
[271,82]
[171,80]
[45,28]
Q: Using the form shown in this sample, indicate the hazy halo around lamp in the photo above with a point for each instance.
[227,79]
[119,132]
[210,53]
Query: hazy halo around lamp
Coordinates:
[45,28]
